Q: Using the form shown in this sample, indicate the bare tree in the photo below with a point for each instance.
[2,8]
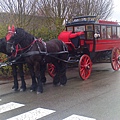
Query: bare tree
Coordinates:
[101,8]
[59,10]
[55,11]
[20,12]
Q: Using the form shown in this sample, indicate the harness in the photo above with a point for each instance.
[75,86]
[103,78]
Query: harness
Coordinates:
[27,52]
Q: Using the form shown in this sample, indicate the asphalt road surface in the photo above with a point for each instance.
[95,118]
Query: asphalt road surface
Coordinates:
[97,98]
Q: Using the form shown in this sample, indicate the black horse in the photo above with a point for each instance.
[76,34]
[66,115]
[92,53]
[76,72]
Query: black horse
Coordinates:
[18,63]
[37,54]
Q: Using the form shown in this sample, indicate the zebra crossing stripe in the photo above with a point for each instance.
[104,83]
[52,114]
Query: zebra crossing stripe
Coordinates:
[10,106]
[33,114]
[77,117]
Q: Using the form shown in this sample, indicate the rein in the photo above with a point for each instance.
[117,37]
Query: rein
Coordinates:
[20,49]
[27,46]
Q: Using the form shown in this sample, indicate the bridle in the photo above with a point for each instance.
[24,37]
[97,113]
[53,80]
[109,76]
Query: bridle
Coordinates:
[10,34]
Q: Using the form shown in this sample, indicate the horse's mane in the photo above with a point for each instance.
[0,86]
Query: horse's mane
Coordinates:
[22,34]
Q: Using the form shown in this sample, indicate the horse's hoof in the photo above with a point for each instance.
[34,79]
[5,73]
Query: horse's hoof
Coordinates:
[15,90]
[57,84]
[32,89]
[39,92]
[22,89]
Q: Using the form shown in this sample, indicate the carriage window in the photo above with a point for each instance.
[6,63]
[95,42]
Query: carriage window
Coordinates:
[108,32]
[103,31]
[89,27]
[89,30]
[118,32]
[89,35]
[97,29]
[69,28]
[114,32]
[79,28]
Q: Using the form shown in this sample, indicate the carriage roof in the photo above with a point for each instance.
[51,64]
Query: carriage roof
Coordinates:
[85,20]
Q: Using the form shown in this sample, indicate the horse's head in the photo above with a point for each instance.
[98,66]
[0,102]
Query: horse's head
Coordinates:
[17,36]
[11,39]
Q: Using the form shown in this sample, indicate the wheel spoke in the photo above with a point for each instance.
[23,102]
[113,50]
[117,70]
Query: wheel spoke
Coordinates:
[51,70]
[115,58]
[85,67]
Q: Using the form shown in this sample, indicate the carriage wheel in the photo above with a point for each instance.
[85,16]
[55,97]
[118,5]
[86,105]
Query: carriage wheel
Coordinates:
[51,70]
[115,59]
[85,67]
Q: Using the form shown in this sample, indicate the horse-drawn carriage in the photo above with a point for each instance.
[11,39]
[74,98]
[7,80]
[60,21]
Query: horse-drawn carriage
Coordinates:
[88,41]
[85,41]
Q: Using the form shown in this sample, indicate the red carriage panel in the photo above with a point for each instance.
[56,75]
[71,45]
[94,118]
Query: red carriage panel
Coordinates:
[108,22]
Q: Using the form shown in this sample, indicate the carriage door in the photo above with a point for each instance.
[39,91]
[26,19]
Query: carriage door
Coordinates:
[90,37]
[97,36]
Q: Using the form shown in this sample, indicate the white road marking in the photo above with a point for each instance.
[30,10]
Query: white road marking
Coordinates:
[10,106]
[0,100]
[77,117]
[33,114]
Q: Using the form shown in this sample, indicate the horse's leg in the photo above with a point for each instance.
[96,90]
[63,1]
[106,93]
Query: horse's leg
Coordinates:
[38,76]
[34,82]
[56,79]
[21,73]
[42,73]
[63,78]
[14,72]
[40,85]
[63,67]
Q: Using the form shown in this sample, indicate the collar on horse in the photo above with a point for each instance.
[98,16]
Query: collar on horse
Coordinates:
[44,44]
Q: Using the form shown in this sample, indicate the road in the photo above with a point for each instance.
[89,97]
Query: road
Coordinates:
[97,98]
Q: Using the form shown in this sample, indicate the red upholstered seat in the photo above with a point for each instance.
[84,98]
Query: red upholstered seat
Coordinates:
[64,36]
[70,38]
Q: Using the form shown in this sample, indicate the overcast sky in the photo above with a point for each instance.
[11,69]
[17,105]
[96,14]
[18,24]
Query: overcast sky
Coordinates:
[116,11]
